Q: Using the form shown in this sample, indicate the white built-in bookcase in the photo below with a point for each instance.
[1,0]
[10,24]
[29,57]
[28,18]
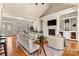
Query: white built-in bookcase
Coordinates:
[68,25]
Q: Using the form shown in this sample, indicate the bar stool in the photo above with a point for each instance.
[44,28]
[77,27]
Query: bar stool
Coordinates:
[3,47]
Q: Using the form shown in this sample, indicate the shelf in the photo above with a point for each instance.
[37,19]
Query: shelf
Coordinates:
[72,39]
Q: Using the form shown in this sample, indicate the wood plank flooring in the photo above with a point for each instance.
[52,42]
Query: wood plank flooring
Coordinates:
[11,45]
[19,52]
[71,50]
[12,48]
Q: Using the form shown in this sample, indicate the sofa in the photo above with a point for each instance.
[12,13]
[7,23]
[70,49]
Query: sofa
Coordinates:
[56,42]
[26,40]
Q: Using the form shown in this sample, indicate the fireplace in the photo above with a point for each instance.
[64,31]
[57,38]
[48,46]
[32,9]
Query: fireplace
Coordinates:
[51,32]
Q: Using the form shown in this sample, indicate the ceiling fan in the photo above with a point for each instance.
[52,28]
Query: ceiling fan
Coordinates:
[41,3]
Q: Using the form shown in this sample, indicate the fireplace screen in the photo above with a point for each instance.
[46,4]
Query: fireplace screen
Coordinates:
[51,32]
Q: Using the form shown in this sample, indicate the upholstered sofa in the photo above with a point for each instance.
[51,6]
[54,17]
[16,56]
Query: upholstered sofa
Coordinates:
[56,42]
[26,40]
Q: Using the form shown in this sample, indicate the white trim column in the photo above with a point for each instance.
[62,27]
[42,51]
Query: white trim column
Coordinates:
[0,15]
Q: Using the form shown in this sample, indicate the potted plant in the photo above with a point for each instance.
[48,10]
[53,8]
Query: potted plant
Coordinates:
[41,37]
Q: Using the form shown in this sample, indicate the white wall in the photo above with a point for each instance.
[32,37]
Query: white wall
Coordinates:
[55,16]
[36,22]
[78,22]
[36,25]
[14,23]
[45,27]
[0,15]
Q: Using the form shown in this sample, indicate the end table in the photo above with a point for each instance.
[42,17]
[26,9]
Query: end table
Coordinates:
[43,42]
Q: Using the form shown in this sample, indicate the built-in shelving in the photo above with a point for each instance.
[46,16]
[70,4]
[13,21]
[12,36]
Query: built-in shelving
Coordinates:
[68,27]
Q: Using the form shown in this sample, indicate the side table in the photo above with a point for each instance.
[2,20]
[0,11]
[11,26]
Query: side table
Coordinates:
[41,43]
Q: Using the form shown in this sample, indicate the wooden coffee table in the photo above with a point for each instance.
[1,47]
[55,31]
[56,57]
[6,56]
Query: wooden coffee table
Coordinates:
[41,43]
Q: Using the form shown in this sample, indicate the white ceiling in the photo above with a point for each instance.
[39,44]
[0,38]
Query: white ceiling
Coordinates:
[30,10]
[55,7]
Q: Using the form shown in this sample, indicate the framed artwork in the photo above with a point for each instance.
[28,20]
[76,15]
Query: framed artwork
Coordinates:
[73,24]
[62,25]
[67,24]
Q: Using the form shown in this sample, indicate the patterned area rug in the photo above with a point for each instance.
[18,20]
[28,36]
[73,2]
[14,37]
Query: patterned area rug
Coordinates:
[49,52]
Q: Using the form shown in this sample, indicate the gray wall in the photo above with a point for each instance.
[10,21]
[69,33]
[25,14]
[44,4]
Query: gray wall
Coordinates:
[11,26]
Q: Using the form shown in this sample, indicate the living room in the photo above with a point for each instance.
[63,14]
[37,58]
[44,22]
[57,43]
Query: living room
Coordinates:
[22,23]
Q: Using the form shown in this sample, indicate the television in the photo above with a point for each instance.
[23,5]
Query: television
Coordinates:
[51,22]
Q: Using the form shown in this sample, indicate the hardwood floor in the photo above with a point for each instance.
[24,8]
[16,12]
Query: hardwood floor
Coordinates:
[71,50]
[19,52]
[12,47]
